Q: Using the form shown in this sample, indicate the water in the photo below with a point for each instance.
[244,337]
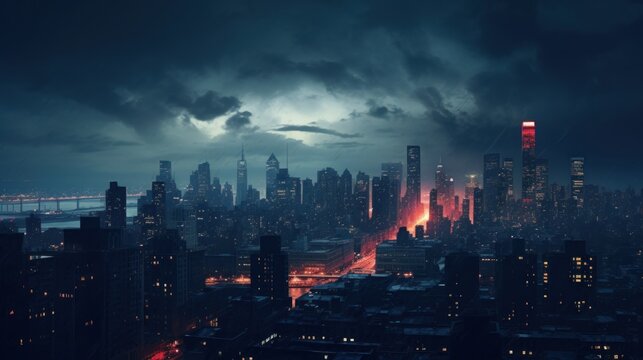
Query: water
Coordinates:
[68,206]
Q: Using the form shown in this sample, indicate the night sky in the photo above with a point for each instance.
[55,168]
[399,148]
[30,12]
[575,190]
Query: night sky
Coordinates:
[93,91]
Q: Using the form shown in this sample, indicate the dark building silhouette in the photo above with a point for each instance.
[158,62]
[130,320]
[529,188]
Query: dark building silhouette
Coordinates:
[361,200]
[478,206]
[99,309]
[492,187]
[166,286]
[413,177]
[33,231]
[269,270]
[242,179]
[577,178]
[307,192]
[393,171]
[462,282]
[528,161]
[116,206]
[13,314]
[272,170]
[517,287]
[569,279]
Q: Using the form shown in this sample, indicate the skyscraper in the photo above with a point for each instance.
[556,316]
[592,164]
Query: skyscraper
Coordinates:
[517,286]
[569,279]
[393,171]
[413,176]
[361,201]
[242,179]
[203,187]
[528,161]
[115,206]
[307,193]
[345,188]
[577,172]
[470,185]
[165,171]
[541,185]
[461,270]
[272,169]
[491,184]
[269,270]
[33,231]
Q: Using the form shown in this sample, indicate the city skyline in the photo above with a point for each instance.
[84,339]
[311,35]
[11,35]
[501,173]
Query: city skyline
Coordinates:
[409,74]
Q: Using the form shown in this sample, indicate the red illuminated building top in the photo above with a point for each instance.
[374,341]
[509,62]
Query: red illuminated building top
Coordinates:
[529,135]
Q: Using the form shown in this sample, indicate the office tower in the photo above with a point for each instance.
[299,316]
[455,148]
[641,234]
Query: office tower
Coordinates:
[166,287]
[345,188]
[478,206]
[185,220]
[115,206]
[507,175]
[466,209]
[227,197]
[445,189]
[203,185]
[528,161]
[307,193]
[165,171]
[288,190]
[295,190]
[541,185]
[269,270]
[516,287]
[470,184]
[569,279]
[272,170]
[99,305]
[381,198]
[159,201]
[327,181]
[413,177]
[33,231]
[393,171]
[577,174]
[461,270]
[13,325]
[242,179]
[253,196]
[491,184]
[361,202]
[215,192]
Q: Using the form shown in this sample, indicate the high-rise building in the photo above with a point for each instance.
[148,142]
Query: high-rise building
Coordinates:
[492,187]
[159,201]
[444,188]
[569,279]
[272,170]
[381,190]
[541,185]
[345,189]
[517,287]
[269,270]
[203,184]
[462,271]
[413,177]
[577,174]
[478,206]
[166,286]
[242,180]
[227,197]
[361,200]
[99,304]
[115,206]
[33,231]
[307,192]
[471,183]
[507,172]
[528,161]
[393,171]
[165,171]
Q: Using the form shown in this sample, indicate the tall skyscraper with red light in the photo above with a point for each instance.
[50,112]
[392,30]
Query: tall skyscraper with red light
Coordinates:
[528,161]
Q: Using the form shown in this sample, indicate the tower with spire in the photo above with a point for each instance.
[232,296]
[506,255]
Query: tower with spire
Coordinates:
[242,179]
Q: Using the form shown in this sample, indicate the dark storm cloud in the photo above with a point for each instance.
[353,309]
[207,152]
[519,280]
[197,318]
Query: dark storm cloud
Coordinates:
[211,105]
[462,74]
[316,130]
[238,121]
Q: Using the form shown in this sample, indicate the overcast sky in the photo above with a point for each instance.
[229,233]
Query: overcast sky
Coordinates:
[92,91]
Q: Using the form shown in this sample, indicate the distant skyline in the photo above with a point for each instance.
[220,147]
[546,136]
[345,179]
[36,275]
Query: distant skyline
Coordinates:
[92,93]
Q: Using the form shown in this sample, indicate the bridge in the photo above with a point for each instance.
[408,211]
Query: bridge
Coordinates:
[8,203]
